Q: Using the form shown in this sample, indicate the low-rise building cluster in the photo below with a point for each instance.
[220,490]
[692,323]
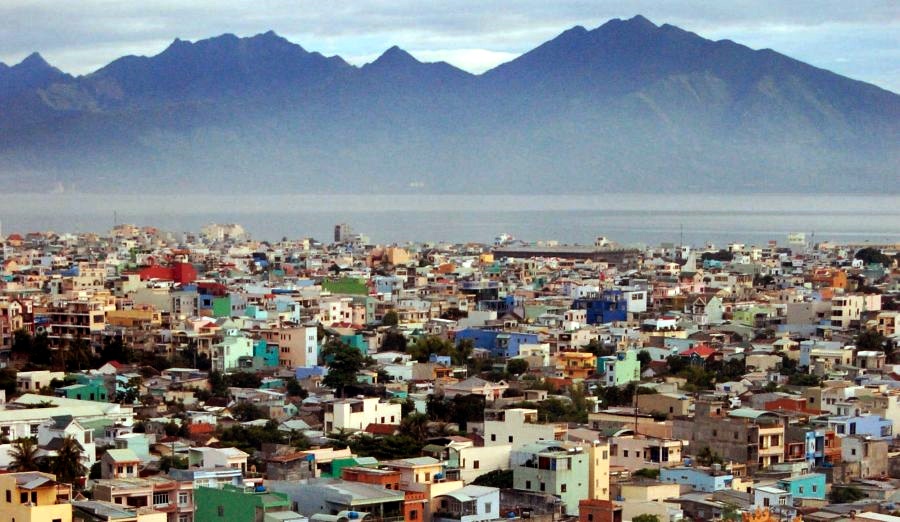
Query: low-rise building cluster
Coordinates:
[153,376]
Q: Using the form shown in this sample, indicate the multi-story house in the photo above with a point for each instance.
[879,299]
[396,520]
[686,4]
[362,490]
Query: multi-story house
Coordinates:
[619,369]
[519,426]
[32,496]
[753,438]
[297,346]
[554,468]
[356,414]
[639,452]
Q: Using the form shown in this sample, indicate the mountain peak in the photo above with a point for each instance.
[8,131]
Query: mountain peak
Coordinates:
[395,56]
[34,61]
[640,21]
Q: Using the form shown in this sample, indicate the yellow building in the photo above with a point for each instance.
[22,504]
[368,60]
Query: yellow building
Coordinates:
[598,470]
[32,496]
[576,365]
[134,318]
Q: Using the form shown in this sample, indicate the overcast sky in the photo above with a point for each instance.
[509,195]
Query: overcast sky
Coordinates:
[857,38]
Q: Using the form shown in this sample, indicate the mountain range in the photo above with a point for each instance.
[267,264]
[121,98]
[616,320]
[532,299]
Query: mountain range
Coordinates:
[627,107]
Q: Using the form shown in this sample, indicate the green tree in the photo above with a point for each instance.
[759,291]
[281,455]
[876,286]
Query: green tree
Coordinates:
[415,425]
[217,385]
[40,353]
[845,494]
[344,363]
[707,457]
[66,465]
[870,256]
[498,478]
[388,447]
[390,318]
[114,350]
[517,366]
[467,408]
[22,342]
[393,341]
[644,357]
[247,411]
[243,380]
[24,455]
[8,381]
[645,518]
[167,462]
[649,473]
[294,389]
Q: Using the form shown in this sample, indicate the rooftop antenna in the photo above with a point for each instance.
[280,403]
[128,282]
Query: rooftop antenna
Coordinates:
[680,240]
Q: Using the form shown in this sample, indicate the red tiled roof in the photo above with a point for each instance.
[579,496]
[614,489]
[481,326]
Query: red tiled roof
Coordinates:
[382,429]
[702,351]
[201,428]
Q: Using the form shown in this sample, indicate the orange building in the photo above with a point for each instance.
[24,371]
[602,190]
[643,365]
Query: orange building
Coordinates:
[763,515]
[593,510]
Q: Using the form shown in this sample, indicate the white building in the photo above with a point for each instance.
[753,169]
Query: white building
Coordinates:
[17,421]
[518,427]
[356,414]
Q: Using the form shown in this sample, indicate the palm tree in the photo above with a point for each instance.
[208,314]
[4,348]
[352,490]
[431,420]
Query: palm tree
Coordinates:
[67,465]
[415,425]
[24,455]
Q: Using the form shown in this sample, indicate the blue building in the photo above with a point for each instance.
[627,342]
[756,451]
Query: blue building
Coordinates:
[498,342]
[705,480]
[809,485]
[867,425]
[268,353]
[609,306]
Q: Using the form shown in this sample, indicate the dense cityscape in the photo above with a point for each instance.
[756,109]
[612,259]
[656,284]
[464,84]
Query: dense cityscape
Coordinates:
[158,376]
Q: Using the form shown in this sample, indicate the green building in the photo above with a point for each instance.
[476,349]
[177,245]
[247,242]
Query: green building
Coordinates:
[221,306]
[234,504]
[86,388]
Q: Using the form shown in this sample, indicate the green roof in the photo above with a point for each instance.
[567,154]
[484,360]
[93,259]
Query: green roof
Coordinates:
[749,413]
[346,285]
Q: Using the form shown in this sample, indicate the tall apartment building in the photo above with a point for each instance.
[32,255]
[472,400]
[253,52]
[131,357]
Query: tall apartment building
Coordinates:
[298,346]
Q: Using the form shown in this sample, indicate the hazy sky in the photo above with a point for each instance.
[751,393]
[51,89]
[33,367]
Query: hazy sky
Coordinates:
[857,38]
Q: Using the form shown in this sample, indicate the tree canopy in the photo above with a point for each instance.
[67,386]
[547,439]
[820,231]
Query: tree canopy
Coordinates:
[344,363]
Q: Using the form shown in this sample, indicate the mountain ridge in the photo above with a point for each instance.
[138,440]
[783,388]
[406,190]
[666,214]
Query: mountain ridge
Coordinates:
[626,105]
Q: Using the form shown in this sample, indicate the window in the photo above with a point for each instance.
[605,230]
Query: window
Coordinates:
[562,488]
[183,498]
[414,514]
[853,452]
[493,437]
[130,468]
[527,484]
[800,489]
[715,433]
[625,453]
[543,486]
[477,464]
[34,428]
[487,507]
[815,488]
[160,498]
[510,439]
[23,498]
[605,455]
